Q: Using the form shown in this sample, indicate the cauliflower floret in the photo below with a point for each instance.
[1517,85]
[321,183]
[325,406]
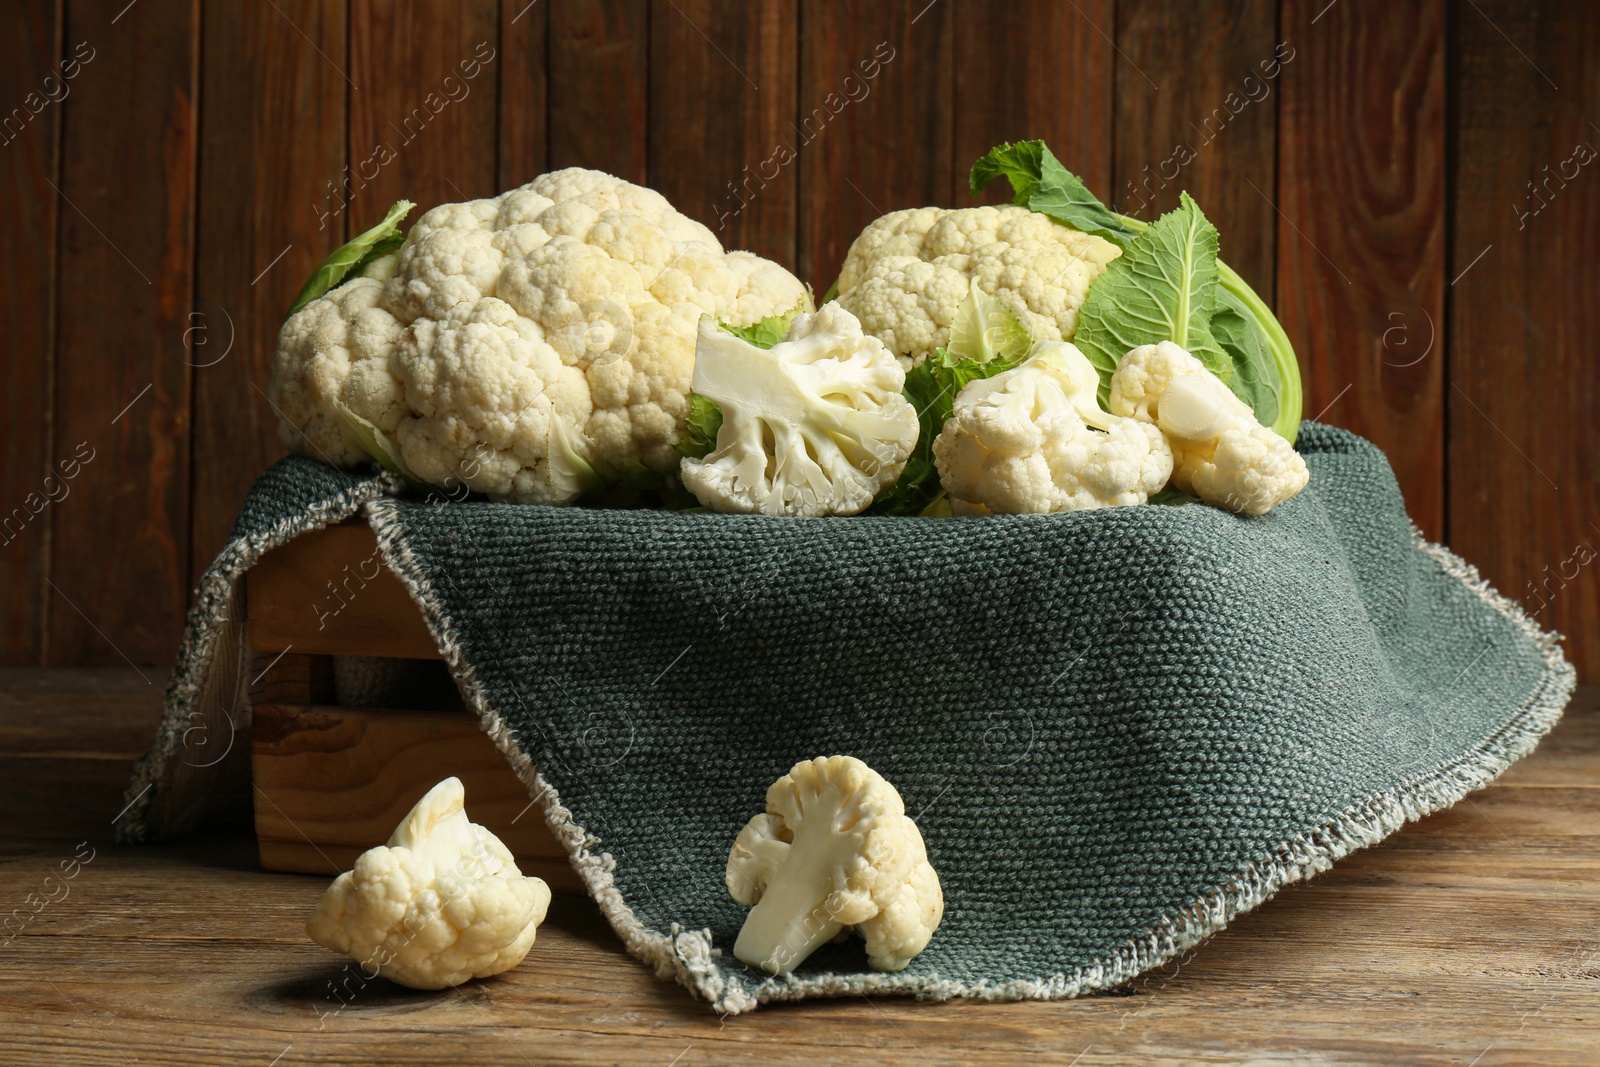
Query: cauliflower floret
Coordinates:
[605,275]
[816,425]
[908,270]
[336,349]
[1034,440]
[442,902]
[1221,453]
[833,851]
[488,395]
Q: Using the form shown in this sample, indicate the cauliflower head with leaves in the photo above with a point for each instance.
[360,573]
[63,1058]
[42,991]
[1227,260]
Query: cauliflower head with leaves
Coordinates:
[523,345]
[1221,453]
[908,271]
[442,902]
[1035,440]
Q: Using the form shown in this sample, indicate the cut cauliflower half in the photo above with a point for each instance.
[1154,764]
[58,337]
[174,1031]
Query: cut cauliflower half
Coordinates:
[815,425]
[442,902]
[834,851]
[1221,453]
[1034,440]
[572,300]
[908,271]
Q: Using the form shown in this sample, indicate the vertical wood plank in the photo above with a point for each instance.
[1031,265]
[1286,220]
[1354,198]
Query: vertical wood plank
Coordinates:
[423,105]
[1035,68]
[890,149]
[1524,395]
[524,129]
[272,155]
[29,139]
[1197,96]
[723,88]
[120,543]
[600,86]
[1361,239]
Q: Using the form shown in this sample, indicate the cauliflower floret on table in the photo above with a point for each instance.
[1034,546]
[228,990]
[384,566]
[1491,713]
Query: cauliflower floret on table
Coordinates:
[1220,452]
[908,271]
[576,298]
[815,425]
[1034,440]
[833,851]
[442,902]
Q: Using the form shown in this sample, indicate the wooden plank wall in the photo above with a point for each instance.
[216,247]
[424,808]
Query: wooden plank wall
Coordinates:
[1411,184]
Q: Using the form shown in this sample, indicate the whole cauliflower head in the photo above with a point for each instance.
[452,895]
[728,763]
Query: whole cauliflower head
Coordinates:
[1221,453]
[834,851]
[1035,440]
[815,425]
[908,271]
[442,902]
[555,320]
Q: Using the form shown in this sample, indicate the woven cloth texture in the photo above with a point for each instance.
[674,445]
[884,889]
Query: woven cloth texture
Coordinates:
[1116,728]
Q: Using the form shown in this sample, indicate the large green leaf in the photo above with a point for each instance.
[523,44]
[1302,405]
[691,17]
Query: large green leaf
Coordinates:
[351,258]
[1255,375]
[1162,288]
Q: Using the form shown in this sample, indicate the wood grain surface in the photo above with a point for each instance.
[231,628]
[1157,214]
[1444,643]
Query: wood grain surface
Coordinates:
[30,131]
[1012,89]
[330,593]
[423,104]
[119,552]
[899,118]
[1467,938]
[1207,128]
[1361,245]
[268,94]
[599,86]
[524,119]
[333,782]
[1524,395]
[1401,180]
[723,84]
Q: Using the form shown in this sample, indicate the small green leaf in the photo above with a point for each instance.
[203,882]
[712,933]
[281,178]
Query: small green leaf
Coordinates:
[374,442]
[770,330]
[985,329]
[1173,497]
[705,417]
[1162,288]
[1040,183]
[350,259]
[704,421]
[1021,164]
[933,385]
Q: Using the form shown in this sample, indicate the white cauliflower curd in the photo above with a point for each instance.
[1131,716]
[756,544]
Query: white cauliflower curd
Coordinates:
[907,273]
[522,343]
[1034,440]
[815,425]
[442,902]
[1221,453]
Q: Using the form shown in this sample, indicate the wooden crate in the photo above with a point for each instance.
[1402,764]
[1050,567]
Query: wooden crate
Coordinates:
[332,781]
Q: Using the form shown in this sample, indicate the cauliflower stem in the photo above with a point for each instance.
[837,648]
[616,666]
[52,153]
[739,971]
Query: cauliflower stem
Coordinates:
[833,850]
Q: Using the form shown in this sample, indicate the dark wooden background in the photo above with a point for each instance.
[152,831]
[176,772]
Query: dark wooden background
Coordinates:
[158,218]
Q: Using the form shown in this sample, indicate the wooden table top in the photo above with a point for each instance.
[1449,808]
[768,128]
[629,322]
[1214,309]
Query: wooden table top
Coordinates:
[1470,938]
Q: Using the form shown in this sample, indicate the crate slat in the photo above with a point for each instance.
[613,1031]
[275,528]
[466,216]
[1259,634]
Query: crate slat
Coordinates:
[329,592]
[335,781]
